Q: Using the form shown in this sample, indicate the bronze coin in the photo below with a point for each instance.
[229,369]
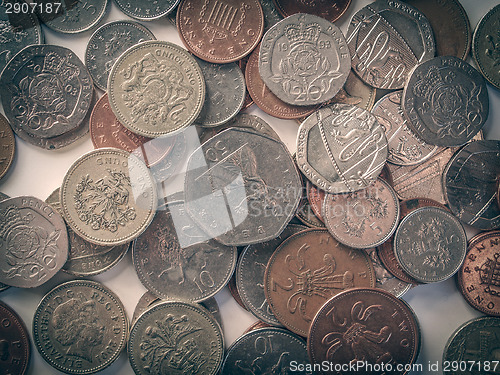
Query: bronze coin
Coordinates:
[386,175]
[315,197]
[306,270]
[234,291]
[257,325]
[479,276]
[14,342]
[367,327]
[220,31]
[327,9]
[7,146]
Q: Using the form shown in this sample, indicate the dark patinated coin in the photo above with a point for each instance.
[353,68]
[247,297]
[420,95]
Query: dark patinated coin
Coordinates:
[14,342]
[7,146]
[329,10]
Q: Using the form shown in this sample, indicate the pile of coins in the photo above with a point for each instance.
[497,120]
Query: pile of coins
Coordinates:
[390,170]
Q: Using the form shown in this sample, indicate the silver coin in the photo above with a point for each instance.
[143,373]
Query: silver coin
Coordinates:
[34,242]
[445,101]
[80,327]
[3,197]
[430,244]
[18,31]
[341,148]
[405,148]
[107,43]
[225,93]
[271,14]
[304,59]
[236,193]
[156,88]
[386,39]
[176,338]
[170,163]
[175,260]
[470,184]
[147,11]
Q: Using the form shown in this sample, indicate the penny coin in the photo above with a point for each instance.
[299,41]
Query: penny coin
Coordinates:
[430,244]
[15,342]
[145,11]
[470,184]
[315,198]
[236,193]
[176,338]
[257,325]
[175,260]
[46,91]
[478,278]
[445,101]
[485,46]
[304,59]
[156,88]
[265,351]
[80,327]
[305,213]
[7,146]
[108,197]
[328,10]
[250,274]
[233,289]
[225,93]
[265,99]
[367,326]
[306,270]
[341,148]
[34,242]
[107,43]
[220,31]
[386,40]
[405,148]
[365,218]
[386,175]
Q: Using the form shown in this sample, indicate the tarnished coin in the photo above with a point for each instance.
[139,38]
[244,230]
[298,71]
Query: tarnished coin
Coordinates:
[225,93]
[146,11]
[7,146]
[329,10]
[15,343]
[46,91]
[18,31]
[356,92]
[271,14]
[341,148]
[250,274]
[176,338]
[485,46]
[430,244]
[34,242]
[478,278]
[236,193]
[80,327]
[304,59]
[248,101]
[469,182]
[315,197]
[266,351]
[405,148]
[365,218]
[369,327]
[220,31]
[445,101]
[108,197]
[387,39]
[2,285]
[305,213]
[175,260]
[107,43]
[306,270]
[156,88]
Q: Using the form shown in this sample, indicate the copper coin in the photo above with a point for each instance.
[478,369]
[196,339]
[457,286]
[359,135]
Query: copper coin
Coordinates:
[364,327]
[479,276]
[243,66]
[474,239]
[306,270]
[386,175]
[234,291]
[257,325]
[7,146]
[305,213]
[220,31]
[265,99]
[327,9]
[315,197]
[14,342]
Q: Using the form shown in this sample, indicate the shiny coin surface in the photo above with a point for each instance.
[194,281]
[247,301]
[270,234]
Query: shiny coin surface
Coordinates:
[145,11]
[341,148]
[306,270]
[386,40]
[15,342]
[108,197]
[7,146]
[34,243]
[430,244]
[80,327]
[304,59]
[328,10]
[469,182]
[365,218]
[366,325]
[176,338]
[236,193]
[156,88]
[107,43]
[445,101]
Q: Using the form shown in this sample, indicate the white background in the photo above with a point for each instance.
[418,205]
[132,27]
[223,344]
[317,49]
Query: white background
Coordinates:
[440,307]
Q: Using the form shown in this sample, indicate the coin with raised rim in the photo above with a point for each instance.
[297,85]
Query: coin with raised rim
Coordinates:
[146,11]
[7,146]
[329,10]
[16,348]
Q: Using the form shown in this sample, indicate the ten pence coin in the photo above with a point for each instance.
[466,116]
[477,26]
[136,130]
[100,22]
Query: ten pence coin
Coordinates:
[15,342]
[7,146]
[147,11]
